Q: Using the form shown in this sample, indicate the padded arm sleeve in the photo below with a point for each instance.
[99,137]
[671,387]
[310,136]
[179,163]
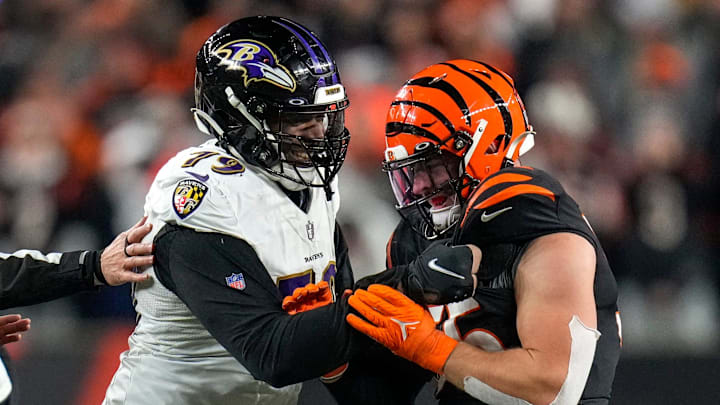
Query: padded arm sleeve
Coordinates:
[275,347]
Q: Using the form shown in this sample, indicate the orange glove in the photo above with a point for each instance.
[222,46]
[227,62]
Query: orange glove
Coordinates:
[401,325]
[309,297]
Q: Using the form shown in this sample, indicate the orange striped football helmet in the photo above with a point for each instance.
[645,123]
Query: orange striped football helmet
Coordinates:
[450,126]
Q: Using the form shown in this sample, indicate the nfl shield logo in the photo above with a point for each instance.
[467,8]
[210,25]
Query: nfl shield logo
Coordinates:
[236,281]
[310,229]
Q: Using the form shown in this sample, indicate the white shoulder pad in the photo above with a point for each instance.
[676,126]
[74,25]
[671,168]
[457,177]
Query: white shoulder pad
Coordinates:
[202,188]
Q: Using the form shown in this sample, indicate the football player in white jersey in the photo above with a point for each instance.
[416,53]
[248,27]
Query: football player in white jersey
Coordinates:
[239,222]
[242,221]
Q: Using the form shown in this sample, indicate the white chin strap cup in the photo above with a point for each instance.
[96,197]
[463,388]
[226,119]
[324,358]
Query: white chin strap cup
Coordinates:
[444,218]
[306,174]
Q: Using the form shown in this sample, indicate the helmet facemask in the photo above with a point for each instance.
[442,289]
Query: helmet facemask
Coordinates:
[300,147]
[427,186]
[311,145]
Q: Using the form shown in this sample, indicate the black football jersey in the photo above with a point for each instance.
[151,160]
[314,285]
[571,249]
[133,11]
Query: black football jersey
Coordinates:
[487,320]
[504,213]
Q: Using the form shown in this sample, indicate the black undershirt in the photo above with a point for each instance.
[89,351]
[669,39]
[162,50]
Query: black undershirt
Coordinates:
[301,198]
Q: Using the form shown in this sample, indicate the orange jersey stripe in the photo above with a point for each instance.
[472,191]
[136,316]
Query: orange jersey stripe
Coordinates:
[388,248]
[513,191]
[502,178]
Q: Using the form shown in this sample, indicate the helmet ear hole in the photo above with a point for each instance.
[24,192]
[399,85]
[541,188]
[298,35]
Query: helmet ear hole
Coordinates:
[256,107]
[252,145]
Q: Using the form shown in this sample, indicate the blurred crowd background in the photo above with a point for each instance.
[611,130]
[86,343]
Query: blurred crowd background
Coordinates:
[624,95]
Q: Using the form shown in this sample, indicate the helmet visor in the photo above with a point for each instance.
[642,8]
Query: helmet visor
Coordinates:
[424,185]
[424,179]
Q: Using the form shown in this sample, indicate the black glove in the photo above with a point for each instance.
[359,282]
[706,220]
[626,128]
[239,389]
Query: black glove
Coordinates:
[441,274]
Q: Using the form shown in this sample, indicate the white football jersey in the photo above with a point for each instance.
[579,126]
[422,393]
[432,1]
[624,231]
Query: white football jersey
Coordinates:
[172,358]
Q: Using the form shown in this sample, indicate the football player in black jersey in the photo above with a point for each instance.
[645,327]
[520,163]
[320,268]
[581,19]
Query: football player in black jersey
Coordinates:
[543,324]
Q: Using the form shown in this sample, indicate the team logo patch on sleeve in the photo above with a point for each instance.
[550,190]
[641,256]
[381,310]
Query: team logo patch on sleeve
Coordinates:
[188,196]
[236,281]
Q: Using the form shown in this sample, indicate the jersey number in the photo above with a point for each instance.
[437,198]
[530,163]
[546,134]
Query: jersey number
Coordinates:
[226,164]
[288,284]
[478,337]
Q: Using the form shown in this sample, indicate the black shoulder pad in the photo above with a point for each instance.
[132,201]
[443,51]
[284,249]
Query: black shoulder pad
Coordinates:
[516,205]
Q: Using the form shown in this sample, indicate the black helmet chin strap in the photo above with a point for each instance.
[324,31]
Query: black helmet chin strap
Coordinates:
[246,139]
[249,139]
[252,146]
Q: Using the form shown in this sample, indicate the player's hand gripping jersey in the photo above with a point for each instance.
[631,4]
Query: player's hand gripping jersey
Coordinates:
[230,246]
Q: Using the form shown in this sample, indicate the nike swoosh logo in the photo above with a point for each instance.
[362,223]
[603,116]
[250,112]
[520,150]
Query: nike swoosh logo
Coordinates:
[440,269]
[485,217]
[403,326]
[199,177]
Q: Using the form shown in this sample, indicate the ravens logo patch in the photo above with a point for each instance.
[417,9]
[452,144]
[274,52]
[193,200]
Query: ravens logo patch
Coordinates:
[187,197]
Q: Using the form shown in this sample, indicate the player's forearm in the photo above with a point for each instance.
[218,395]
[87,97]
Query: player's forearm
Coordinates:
[532,376]
[30,277]
[278,348]
[248,321]
[286,349]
